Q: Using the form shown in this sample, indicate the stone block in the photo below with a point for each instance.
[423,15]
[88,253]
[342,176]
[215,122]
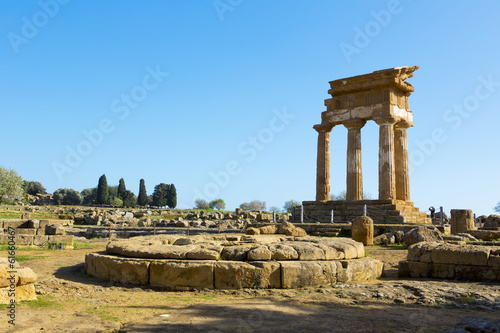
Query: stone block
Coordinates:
[25,231]
[494,261]
[477,273]
[195,274]
[5,276]
[299,274]
[97,265]
[462,220]
[34,224]
[23,293]
[40,231]
[26,276]
[461,255]
[252,231]
[412,269]
[259,253]
[443,271]
[236,253]
[236,275]
[54,229]
[40,240]
[14,223]
[362,269]
[283,252]
[269,230]
[307,251]
[203,254]
[362,230]
[133,271]
[65,239]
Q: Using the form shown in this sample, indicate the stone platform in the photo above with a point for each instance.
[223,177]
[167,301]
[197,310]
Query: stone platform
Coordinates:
[233,262]
[381,211]
[448,261]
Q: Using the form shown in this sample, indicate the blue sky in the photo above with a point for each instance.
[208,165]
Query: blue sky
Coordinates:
[219,97]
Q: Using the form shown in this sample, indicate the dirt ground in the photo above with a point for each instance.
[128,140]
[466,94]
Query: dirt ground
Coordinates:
[70,301]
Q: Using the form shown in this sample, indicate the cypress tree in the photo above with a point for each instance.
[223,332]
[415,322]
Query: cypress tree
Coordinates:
[121,189]
[102,191]
[142,199]
[171,196]
[160,195]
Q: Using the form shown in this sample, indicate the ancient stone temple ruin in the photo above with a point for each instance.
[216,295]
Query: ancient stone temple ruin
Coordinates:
[381,96]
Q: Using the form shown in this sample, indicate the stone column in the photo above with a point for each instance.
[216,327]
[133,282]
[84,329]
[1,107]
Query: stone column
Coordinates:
[323,163]
[462,220]
[386,175]
[401,160]
[354,169]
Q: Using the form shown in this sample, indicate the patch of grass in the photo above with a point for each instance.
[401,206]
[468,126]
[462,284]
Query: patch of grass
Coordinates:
[27,257]
[42,301]
[85,245]
[401,246]
[22,248]
[102,313]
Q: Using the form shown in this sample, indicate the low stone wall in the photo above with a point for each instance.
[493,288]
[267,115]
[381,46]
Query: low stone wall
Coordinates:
[233,261]
[33,232]
[448,261]
[21,283]
[230,274]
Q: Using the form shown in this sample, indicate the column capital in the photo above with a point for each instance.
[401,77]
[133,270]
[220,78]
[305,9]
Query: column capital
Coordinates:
[403,124]
[355,123]
[323,128]
[386,120]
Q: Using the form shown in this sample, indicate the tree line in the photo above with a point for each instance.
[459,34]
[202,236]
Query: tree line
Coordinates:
[13,187]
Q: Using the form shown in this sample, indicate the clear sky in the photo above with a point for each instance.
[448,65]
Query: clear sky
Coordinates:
[219,97]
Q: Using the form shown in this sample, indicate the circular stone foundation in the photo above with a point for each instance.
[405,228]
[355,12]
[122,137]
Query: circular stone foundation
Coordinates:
[233,262]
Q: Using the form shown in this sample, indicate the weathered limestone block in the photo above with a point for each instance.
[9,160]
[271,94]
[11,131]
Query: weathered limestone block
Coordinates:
[236,253]
[259,253]
[461,255]
[138,250]
[252,231]
[203,254]
[185,241]
[40,240]
[492,222]
[97,265]
[462,220]
[5,276]
[330,252]
[34,224]
[349,247]
[443,271]
[236,275]
[414,269]
[299,274]
[284,227]
[362,230]
[23,293]
[296,232]
[26,231]
[195,274]
[477,273]
[269,230]
[283,252]
[486,235]
[54,229]
[26,276]
[307,251]
[133,271]
[494,261]
[14,223]
[65,239]
[421,251]
[362,269]
[422,234]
